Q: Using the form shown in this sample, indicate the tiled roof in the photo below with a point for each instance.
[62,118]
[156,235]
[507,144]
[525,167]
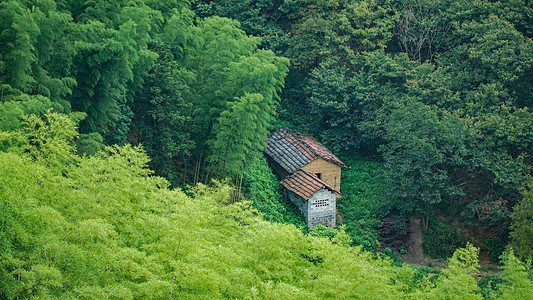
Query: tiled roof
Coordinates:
[293,150]
[305,184]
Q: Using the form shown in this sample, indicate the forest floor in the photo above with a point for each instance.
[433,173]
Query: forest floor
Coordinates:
[410,243]
[415,253]
[407,245]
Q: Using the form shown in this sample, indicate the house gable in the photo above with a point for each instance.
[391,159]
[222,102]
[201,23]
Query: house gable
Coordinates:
[328,172]
[322,209]
[319,209]
[314,198]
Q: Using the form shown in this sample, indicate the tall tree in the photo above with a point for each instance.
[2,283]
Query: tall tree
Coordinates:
[342,99]
[18,32]
[113,59]
[422,145]
[422,29]
[325,28]
[228,65]
[240,134]
[522,227]
[163,117]
[517,281]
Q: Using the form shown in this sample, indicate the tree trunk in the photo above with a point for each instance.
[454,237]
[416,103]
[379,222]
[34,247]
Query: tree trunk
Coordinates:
[426,221]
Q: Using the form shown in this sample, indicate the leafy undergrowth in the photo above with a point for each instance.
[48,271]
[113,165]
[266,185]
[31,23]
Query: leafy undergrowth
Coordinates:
[102,227]
[441,240]
[361,204]
[262,187]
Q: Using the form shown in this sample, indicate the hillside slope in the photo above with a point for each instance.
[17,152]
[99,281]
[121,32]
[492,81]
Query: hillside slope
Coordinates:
[102,227]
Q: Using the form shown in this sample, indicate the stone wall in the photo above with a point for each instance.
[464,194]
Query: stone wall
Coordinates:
[299,202]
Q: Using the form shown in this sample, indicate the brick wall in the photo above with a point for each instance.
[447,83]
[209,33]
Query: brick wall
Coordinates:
[330,173]
[321,209]
[299,202]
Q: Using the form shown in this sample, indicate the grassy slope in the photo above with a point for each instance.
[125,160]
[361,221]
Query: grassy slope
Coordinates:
[105,228]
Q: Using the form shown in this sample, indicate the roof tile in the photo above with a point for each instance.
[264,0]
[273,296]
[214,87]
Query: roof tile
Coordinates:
[305,184]
[293,150]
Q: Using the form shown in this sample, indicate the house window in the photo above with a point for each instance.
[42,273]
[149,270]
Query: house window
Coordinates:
[320,203]
[319,175]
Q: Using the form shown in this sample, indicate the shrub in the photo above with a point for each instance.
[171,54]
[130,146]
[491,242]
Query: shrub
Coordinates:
[361,204]
[441,241]
[495,248]
[262,187]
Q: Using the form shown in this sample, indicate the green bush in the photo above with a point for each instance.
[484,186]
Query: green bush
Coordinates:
[262,187]
[361,204]
[323,231]
[495,248]
[441,241]
[489,286]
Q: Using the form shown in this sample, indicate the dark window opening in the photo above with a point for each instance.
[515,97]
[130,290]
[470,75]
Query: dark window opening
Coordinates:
[321,203]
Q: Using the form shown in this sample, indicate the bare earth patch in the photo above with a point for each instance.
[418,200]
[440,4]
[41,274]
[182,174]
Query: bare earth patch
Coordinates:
[415,254]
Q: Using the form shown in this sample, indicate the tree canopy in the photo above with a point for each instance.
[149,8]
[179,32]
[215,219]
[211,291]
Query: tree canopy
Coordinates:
[430,98]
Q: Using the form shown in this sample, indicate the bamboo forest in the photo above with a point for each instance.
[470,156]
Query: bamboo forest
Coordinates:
[193,149]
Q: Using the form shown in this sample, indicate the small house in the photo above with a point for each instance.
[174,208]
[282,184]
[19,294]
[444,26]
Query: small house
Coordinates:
[310,173]
[314,198]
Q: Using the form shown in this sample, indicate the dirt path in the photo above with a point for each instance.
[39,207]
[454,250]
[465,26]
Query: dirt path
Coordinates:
[411,242]
[415,254]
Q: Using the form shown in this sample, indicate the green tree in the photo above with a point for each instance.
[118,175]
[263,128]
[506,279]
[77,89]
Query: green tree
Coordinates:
[227,66]
[342,98]
[458,281]
[240,134]
[55,50]
[163,117]
[522,229]
[518,283]
[17,52]
[48,140]
[324,28]
[257,17]
[14,106]
[113,59]
[221,43]
[422,145]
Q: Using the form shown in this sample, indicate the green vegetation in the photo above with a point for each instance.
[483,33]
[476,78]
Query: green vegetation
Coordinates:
[104,226]
[428,101]
[516,278]
[441,240]
[262,187]
[522,226]
[361,204]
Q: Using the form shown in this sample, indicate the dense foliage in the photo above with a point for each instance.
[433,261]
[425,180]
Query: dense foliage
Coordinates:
[146,72]
[522,225]
[438,90]
[262,187]
[362,205]
[428,101]
[104,227]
